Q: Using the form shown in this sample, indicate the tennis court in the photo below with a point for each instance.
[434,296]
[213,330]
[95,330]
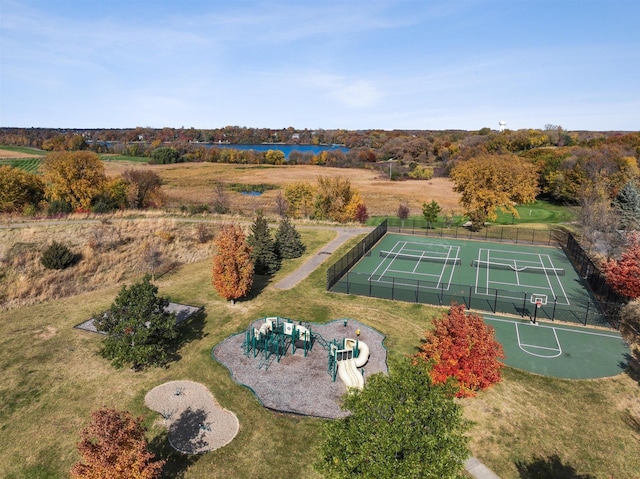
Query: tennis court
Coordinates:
[515,279]
[560,351]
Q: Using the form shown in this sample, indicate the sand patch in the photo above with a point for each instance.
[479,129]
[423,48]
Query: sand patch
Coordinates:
[195,420]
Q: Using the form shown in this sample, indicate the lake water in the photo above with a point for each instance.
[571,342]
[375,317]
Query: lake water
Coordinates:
[286,149]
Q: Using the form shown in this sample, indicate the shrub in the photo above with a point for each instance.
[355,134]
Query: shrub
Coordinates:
[57,256]
[57,207]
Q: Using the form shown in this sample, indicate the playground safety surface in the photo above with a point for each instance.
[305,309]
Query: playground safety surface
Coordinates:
[298,384]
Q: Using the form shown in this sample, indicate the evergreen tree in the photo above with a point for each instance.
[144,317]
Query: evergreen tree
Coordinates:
[627,203]
[401,426]
[287,240]
[263,248]
[139,329]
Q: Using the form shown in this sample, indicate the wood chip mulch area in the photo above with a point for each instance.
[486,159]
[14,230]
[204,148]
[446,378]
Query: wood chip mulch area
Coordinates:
[299,384]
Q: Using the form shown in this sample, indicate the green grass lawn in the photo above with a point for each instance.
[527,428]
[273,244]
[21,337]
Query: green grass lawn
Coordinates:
[136,159]
[541,212]
[53,379]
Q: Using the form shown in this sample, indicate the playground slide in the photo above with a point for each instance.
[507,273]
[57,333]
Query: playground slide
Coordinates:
[349,374]
[348,368]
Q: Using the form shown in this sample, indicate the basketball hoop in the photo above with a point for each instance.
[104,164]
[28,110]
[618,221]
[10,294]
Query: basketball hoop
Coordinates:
[539,300]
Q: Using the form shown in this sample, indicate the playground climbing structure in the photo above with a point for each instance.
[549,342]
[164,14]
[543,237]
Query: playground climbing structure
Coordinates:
[276,336]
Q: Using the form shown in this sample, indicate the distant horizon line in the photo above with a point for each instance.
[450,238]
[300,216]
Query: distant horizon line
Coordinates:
[309,129]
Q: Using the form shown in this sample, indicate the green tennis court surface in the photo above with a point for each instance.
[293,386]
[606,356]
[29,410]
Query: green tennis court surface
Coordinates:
[494,277]
[560,351]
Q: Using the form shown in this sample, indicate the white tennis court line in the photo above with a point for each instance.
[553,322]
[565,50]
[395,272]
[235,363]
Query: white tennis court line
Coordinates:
[423,253]
[562,300]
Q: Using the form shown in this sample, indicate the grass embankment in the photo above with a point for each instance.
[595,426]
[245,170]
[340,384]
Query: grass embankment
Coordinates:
[53,379]
[535,215]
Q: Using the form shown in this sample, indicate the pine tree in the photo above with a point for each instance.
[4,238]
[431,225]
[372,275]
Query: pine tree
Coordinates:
[232,263]
[462,346]
[263,248]
[627,203]
[287,241]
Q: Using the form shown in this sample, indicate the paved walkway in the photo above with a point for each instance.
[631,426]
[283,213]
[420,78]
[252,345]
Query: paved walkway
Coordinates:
[472,465]
[344,234]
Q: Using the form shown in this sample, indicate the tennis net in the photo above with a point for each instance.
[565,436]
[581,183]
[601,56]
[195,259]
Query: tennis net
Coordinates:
[420,257]
[517,268]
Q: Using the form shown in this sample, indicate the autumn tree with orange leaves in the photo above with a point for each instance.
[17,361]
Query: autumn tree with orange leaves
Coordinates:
[232,263]
[113,445]
[463,347]
[624,274]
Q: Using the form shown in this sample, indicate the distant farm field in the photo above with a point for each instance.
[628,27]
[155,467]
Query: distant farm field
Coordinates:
[188,183]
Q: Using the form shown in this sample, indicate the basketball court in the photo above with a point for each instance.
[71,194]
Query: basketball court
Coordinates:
[560,350]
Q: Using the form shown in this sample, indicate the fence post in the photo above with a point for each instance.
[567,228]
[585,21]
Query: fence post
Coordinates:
[393,288]
[348,284]
[533,236]
[470,293]
[495,302]
[586,314]
[501,234]
[555,303]
[524,304]
[369,286]
[517,233]
[417,290]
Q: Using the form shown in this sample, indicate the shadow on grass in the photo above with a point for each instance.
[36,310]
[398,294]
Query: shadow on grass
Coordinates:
[177,464]
[189,330]
[549,468]
[633,365]
[260,282]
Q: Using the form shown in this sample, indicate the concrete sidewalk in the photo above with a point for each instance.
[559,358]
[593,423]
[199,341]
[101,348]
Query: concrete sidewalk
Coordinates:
[344,234]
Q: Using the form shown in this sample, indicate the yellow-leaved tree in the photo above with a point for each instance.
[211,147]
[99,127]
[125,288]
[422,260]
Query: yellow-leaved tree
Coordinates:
[75,177]
[489,182]
[19,189]
[299,196]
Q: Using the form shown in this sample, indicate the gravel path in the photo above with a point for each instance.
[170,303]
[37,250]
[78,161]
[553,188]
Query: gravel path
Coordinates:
[196,422]
[299,384]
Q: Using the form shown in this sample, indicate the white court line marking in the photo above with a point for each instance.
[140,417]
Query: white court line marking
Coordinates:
[390,263]
[559,328]
[521,344]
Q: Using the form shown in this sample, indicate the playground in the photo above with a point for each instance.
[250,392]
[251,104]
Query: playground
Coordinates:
[300,367]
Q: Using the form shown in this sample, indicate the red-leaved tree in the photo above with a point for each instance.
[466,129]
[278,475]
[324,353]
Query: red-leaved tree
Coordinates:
[232,263]
[462,346]
[624,274]
[113,445]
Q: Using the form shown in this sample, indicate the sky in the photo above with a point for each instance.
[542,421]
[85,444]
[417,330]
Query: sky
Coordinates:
[352,64]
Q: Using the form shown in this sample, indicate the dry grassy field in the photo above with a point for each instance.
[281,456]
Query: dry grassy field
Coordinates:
[187,183]
[8,154]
